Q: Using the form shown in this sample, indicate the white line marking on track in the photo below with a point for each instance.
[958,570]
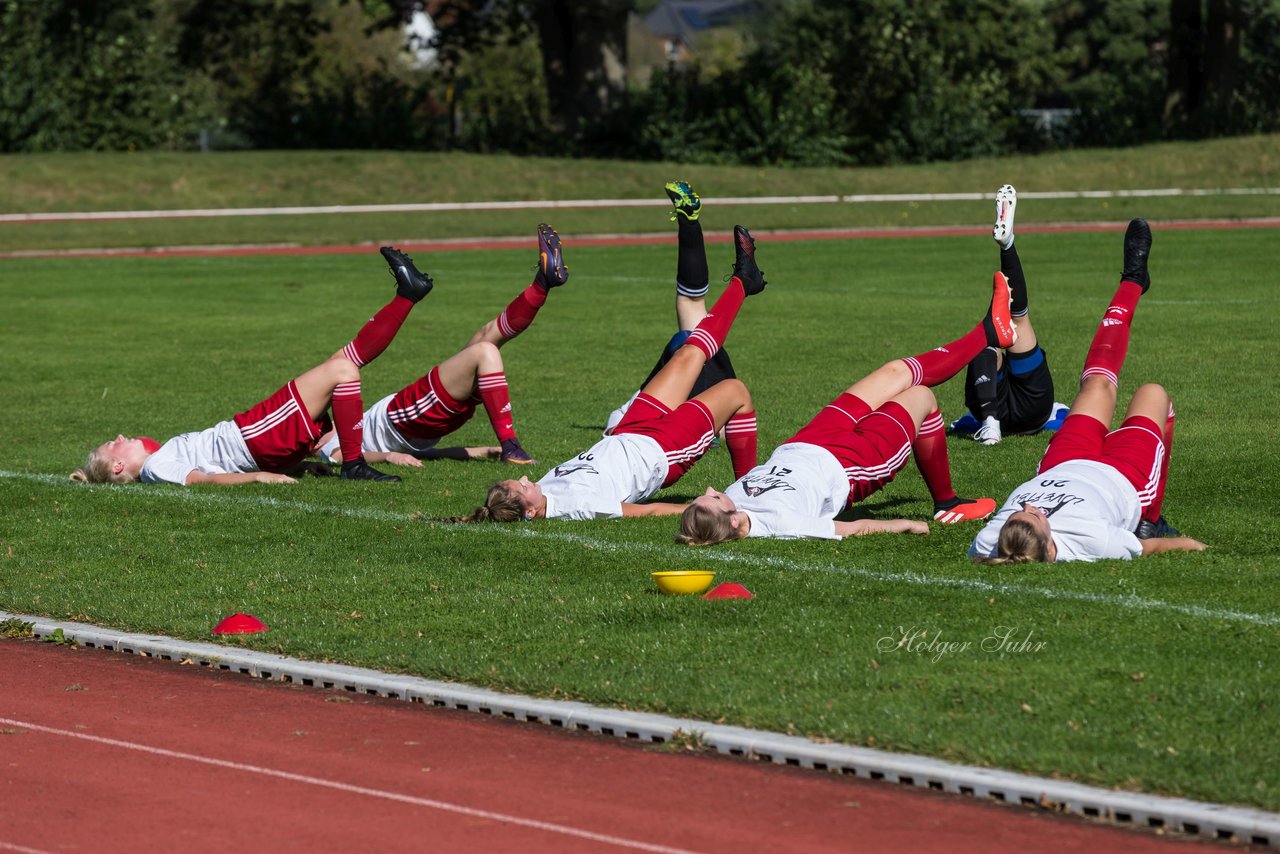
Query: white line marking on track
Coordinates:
[1130,601]
[9,846]
[429,207]
[444,806]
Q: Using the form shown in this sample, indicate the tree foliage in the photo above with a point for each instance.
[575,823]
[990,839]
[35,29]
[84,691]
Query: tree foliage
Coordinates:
[76,74]
[801,82]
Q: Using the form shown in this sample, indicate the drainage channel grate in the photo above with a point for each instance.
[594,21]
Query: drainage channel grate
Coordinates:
[1211,821]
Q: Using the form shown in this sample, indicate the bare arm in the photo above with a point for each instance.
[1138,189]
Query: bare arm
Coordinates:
[398,458]
[483,452]
[1171,544]
[657,508]
[238,478]
[861,527]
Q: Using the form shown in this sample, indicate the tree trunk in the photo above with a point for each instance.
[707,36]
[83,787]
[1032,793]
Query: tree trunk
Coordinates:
[1184,80]
[1221,63]
[584,58]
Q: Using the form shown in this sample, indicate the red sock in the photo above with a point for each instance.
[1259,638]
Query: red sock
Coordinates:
[740,436]
[1152,511]
[517,316]
[496,397]
[1111,341]
[348,419]
[375,335]
[930,449]
[938,366]
[708,336]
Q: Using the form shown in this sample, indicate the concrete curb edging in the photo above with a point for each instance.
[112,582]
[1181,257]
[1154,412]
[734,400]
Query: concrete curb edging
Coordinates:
[1210,821]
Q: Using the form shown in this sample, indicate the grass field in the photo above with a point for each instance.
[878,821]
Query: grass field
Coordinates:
[107,181]
[1157,675]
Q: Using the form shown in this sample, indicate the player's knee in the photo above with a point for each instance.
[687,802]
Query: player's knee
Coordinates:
[341,369]
[487,355]
[896,368]
[1097,384]
[1151,389]
[738,389]
[920,401]
[1152,395]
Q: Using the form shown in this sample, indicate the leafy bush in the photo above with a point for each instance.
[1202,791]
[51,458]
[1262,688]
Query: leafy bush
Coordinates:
[76,74]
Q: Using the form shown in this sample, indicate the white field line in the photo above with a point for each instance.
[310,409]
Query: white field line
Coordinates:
[349,788]
[666,553]
[429,207]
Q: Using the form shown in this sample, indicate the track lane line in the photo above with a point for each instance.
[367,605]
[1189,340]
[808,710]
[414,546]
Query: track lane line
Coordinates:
[593,204]
[349,788]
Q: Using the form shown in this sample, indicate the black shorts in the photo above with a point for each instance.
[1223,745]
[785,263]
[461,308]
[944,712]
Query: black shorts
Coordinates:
[1024,392]
[717,368]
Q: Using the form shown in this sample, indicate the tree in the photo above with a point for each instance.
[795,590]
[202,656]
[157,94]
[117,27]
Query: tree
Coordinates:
[584,59]
[582,45]
[77,75]
[1203,65]
[306,73]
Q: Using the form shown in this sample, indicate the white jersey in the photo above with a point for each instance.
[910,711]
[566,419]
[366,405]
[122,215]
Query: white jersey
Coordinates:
[218,450]
[1093,512]
[795,493]
[380,435]
[616,470]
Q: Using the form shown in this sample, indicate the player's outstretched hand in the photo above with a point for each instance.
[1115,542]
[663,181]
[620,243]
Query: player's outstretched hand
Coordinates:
[1171,544]
[396,458]
[272,477]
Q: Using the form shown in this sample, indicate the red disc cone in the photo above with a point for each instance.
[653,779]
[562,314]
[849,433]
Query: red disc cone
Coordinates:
[728,590]
[240,624]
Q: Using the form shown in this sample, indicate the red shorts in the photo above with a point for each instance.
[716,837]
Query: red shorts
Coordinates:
[424,410]
[279,431]
[871,445]
[684,433]
[1135,449]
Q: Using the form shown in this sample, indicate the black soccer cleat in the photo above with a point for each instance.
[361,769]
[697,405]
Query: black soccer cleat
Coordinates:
[1137,246]
[744,261]
[360,470]
[410,283]
[513,453]
[552,271]
[1154,530]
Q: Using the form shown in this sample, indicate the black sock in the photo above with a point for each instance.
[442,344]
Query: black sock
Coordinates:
[1011,266]
[691,261]
[981,382]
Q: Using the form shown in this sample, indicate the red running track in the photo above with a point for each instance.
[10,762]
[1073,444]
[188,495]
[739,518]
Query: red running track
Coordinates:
[650,239]
[106,752]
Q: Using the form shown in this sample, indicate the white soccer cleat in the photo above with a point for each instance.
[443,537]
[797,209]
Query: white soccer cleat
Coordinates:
[616,416]
[1006,204]
[989,432]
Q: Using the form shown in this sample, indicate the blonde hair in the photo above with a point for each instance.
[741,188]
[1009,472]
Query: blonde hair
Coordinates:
[96,469]
[1020,542]
[702,526]
[502,504]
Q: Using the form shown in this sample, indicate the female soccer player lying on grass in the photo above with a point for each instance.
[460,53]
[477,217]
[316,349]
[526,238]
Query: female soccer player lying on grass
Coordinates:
[403,428]
[263,443]
[1011,391]
[1097,494]
[853,448]
[662,435]
[692,278]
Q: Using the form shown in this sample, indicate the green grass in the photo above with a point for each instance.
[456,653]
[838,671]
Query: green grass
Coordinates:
[1157,675]
[118,181]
